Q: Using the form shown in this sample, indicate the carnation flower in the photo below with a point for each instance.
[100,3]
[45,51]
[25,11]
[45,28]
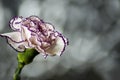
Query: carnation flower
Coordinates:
[32,32]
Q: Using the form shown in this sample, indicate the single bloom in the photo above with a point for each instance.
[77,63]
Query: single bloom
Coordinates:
[32,32]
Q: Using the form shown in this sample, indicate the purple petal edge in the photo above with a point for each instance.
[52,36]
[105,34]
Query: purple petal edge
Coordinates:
[11,23]
[65,42]
[13,41]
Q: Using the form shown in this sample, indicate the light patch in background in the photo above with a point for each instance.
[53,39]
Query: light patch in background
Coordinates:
[113,8]
[87,50]
[29,7]
[2,20]
[54,11]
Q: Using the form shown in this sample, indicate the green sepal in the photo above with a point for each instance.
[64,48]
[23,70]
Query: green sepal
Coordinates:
[27,56]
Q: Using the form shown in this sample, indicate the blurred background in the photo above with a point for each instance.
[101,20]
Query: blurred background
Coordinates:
[93,30]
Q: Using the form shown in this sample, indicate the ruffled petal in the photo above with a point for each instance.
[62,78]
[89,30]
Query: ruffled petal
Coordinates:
[25,33]
[15,40]
[18,46]
[15,23]
[33,42]
[13,36]
[57,48]
[49,26]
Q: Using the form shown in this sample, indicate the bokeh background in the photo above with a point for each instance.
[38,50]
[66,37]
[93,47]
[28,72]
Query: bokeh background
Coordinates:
[93,30]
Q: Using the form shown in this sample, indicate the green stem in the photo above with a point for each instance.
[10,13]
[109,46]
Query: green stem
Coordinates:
[18,71]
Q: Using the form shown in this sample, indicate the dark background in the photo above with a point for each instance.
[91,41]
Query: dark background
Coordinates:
[92,27]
